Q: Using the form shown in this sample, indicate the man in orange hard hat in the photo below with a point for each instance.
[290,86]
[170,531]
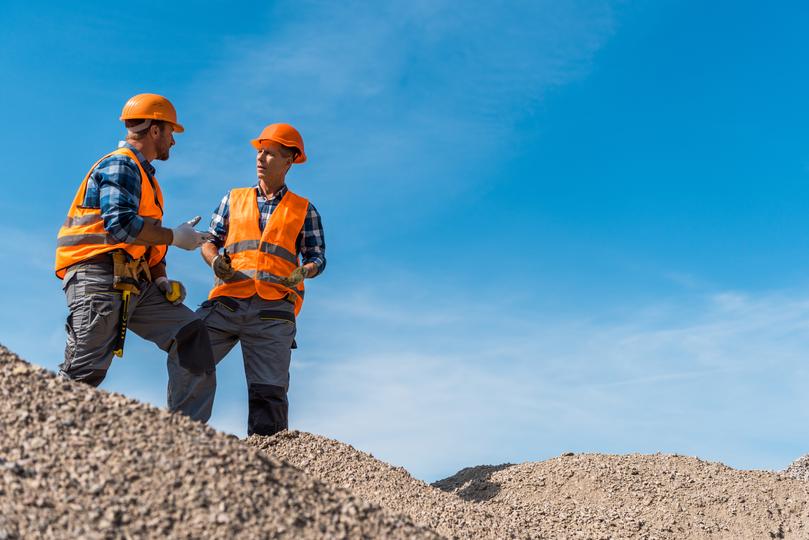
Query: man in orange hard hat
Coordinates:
[111,252]
[273,240]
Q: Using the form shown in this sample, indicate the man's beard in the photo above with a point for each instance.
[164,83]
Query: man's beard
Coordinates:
[163,154]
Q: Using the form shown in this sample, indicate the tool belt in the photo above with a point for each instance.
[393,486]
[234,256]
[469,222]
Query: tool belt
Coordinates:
[128,272]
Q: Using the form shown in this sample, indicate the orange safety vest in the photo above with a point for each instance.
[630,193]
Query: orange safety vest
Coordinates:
[260,258]
[83,236]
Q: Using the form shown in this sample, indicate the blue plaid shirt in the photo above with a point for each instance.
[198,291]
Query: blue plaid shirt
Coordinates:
[114,187]
[311,243]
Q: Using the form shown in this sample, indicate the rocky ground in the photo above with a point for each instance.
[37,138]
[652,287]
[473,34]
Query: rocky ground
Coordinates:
[638,496]
[573,496]
[76,462]
[390,487]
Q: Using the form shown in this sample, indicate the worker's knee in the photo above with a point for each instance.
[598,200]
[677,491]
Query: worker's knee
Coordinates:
[268,409]
[194,348]
[93,377]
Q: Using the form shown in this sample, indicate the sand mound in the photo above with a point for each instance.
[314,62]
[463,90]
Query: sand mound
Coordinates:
[377,482]
[638,496]
[76,462]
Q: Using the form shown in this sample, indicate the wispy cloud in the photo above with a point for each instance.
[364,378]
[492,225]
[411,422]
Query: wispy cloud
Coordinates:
[391,97]
[478,388]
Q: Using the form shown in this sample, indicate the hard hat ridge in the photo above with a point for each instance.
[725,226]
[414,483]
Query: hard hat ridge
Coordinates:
[151,107]
[282,134]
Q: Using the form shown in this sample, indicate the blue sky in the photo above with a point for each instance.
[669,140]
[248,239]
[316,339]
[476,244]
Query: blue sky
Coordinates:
[551,226]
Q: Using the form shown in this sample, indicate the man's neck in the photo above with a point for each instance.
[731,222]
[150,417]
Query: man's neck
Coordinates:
[270,190]
[148,153]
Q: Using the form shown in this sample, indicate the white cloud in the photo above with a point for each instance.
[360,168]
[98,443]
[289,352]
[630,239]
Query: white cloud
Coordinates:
[390,97]
[473,390]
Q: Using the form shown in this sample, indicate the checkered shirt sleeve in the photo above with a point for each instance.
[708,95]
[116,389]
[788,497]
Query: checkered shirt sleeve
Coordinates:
[114,187]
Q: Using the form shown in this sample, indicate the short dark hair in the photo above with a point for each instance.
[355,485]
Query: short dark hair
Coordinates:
[289,151]
[137,135]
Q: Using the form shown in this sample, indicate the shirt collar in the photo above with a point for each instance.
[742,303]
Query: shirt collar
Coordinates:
[277,195]
[145,164]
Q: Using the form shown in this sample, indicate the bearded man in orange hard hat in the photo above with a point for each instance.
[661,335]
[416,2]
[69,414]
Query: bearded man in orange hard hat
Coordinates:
[111,253]
[273,240]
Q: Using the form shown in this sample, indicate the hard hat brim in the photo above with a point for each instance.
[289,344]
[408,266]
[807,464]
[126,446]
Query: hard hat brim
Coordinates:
[178,128]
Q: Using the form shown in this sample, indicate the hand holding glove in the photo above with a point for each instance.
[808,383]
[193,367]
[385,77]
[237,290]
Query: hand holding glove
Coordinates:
[293,279]
[185,237]
[173,290]
[221,266]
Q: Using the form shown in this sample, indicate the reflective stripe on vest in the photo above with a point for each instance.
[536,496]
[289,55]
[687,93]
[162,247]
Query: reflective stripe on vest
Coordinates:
[82,235]
[262,258]
[265,247]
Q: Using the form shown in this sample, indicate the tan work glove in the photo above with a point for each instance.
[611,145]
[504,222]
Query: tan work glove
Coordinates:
[221,266]
[293,279]
[173,290]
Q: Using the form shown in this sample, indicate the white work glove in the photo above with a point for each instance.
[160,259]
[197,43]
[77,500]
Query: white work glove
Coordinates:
[185,237]
[173,290]
[293,279]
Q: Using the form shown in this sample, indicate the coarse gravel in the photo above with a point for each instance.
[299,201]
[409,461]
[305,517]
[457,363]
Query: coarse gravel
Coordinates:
[657,496]
[340,464]
[593,496]
[78,462]
[799,468]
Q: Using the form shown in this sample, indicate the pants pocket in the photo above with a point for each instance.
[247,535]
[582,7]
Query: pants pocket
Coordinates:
[276,315]
[102,307]
[70,343]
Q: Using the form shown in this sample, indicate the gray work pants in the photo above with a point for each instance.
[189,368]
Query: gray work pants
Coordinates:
[266,330]
[93,324]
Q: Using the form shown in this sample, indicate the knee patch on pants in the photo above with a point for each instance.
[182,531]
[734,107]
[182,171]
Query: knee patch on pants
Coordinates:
[194,348]
[268,409]
[93,377]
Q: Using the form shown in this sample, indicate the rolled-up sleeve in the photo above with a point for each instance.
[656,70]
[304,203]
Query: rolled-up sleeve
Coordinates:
[311,241]
[119,192]
[219,222]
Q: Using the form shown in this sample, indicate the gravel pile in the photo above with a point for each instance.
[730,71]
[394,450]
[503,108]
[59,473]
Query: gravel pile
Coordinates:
[76,462]
[592,496]
[638,496]
[377,482]
[799,468]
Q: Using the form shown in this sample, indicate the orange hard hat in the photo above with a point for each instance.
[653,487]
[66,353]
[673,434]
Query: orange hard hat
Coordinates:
[151,107]
[282,134]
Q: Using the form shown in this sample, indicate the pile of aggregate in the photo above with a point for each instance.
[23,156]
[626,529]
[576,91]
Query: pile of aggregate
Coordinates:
[638,496]
[593,496]
[799,468]
[340,464]
[77,462]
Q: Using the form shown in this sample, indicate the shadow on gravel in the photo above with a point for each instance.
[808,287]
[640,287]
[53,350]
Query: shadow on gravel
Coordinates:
[473,484]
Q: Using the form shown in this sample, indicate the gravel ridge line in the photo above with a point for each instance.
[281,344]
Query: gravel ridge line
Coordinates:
[78,462]
[390,487]
[593,496]
[638,496]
